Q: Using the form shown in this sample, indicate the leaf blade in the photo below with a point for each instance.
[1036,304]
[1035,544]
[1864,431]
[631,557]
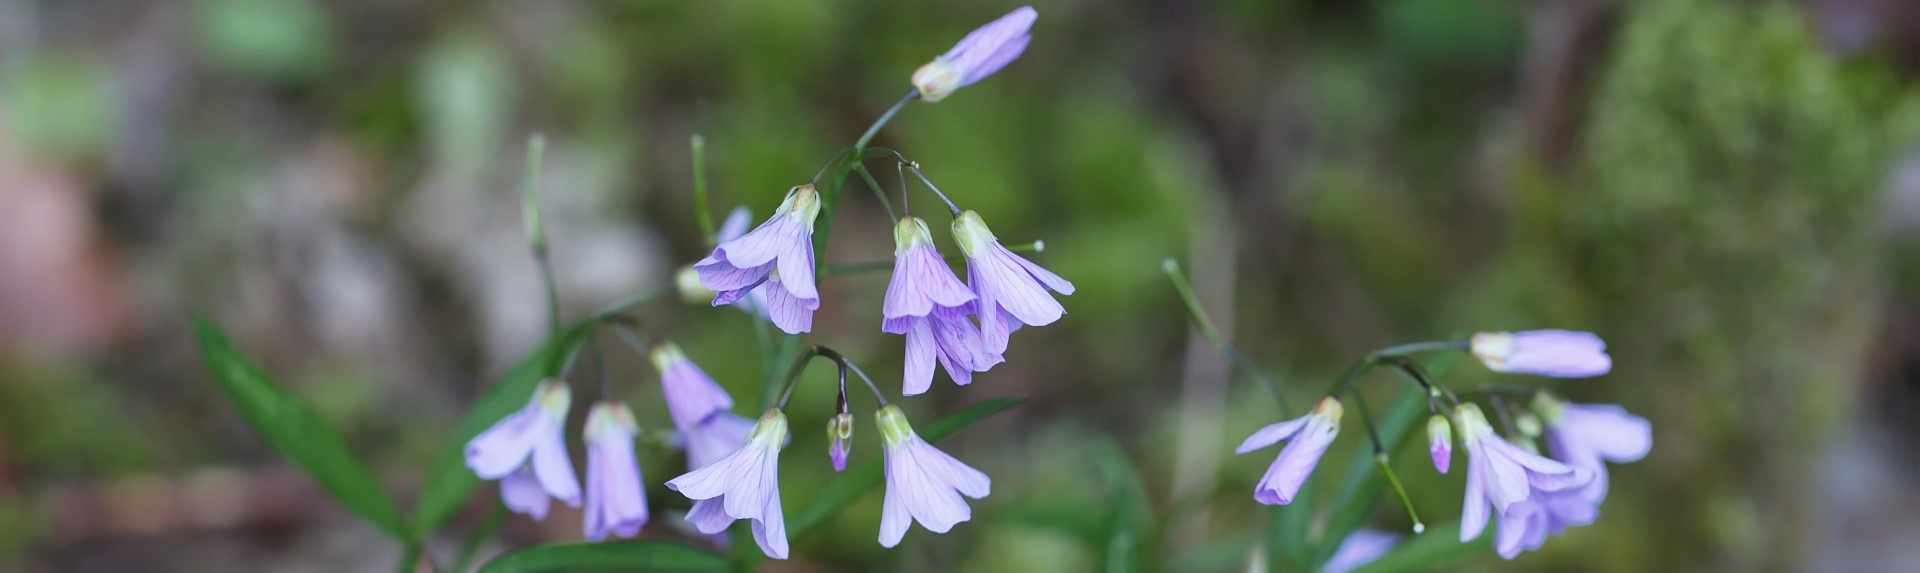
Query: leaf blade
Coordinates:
[660,555]
[857,481]
[296,431]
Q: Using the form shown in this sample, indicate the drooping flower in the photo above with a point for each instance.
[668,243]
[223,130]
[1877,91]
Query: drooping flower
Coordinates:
[1556,353]
[686,281]
[1588,435]
[1440,442]
[1361,547]
[1307,438]
[691,395]
[778,253]
[1011,290]
[715,437]
[1525,526]
[616,499]
[527,452]
[924,484]
[980,54]
[1500,474]
[929,305]
[840,434]
[745,484]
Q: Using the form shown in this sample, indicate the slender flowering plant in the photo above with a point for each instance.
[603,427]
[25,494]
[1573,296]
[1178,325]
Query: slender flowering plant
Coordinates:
[773,271]
[1532,496]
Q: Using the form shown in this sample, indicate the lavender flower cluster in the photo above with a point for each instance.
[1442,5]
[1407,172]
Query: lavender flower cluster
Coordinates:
[1535,496]
[769,270]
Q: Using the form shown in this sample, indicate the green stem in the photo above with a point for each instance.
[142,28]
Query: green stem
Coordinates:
[636,301]
[536,229]
[1394,479]
[700,188]
[873,130]
[1201,321]
[1410,348]
[878,193]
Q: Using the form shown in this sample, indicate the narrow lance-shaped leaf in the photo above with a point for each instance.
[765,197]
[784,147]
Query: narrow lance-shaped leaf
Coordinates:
[859,480]
[450,483]
[298,432]
[651,555]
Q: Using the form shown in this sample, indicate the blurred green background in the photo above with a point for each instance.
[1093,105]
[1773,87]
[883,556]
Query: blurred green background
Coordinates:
[1726,190]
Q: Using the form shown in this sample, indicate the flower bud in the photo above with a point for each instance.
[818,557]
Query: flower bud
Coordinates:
[1440,442]
[840,432]
[1528,425]
[686,282]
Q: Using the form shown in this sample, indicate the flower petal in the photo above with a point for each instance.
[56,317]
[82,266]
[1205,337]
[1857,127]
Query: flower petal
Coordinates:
[1271,434]
[521,492]
[917,373]
[792,314]
[503,448]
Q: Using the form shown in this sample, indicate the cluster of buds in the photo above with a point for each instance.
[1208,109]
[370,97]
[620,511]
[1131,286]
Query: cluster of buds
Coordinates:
[1534,495]
[769,270]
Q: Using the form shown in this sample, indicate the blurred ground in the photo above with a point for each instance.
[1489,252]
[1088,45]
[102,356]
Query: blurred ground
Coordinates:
[1724,189]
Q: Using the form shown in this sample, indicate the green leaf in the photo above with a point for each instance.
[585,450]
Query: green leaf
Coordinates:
[859,480]
[1363,484]
[637,555]
[450,483]
[297,432]
[1427,551]
[1129,509]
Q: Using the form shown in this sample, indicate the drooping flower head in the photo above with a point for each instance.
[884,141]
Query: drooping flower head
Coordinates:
[1588,435]
[744,484]
[1556,353]
[1500,474]
[929,305]
[1525,526]
[924,484]
[1011,289]
[840,434]
[1307,438]
[687,280]
[778,253]
[1440,442]
[1361,547]
[527,452]
[980,54]
[616,498]
[691,395]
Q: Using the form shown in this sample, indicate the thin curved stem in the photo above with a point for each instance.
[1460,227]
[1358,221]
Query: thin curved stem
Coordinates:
[1198,315]
[874,129]
[915,168]
[869,266]
[878,192]
[699,145]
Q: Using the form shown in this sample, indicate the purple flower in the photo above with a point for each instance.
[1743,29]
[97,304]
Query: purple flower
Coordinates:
[1556,353]
[778,253]
[715,437]
[743,485]
[977,56]
[691,395]
[1500,474]
[1307,438]
[1587,435]
[930,305]
[687,280]
[923,483]
[1440,442]
[1363,546]
[840,433]
[616,500]
[1011,290]
[1525,526]
[527,452]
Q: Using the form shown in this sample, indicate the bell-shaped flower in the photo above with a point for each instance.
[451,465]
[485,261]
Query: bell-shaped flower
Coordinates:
[1011,290]
[1361,547]
[1588,435]
[977,56]
[1440,442]
[616,499]
[715,437]
[527,452]
[778,253]
[686,281]
[691,395]
[744,484]
[840,436]
[1556,353]
[924,484]
[1525,526]
[1307,439]
[1500,474]
[929,305]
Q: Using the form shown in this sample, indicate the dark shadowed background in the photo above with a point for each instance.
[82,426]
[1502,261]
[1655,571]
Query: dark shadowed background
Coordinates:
[1728,191]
